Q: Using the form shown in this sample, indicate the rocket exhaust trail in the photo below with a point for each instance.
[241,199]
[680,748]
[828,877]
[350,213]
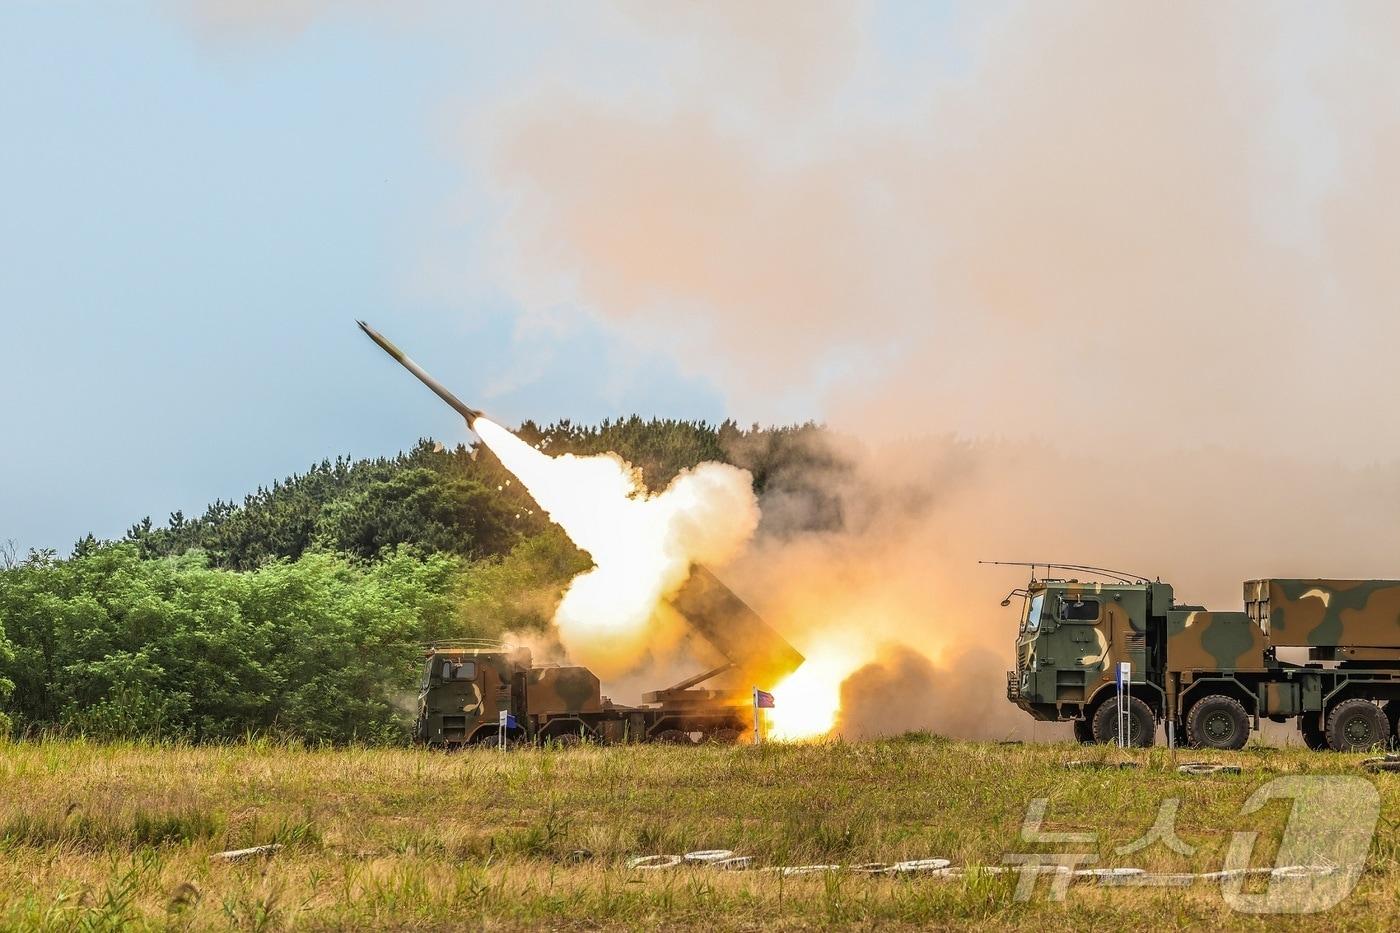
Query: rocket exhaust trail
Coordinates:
[471,414]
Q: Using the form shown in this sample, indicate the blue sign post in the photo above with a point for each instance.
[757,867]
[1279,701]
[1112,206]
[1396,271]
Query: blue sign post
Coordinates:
[507,722]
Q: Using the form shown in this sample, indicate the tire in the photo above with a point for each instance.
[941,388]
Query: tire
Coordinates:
[1142,727]
[566,740]
[490,738]
[1357,725]
[673,737]
[1084,731]
[1218,722]
[1392,713]
[1315,739]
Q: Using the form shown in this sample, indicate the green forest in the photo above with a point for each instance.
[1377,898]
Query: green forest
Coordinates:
[301,612]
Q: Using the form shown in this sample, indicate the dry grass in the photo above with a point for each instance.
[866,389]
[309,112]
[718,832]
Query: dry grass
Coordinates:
[112,836]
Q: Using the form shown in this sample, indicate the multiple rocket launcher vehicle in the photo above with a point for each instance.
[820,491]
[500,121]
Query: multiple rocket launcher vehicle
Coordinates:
[468,686]
[1211,677]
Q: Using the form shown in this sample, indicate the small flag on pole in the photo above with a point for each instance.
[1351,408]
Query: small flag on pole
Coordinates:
[762,699]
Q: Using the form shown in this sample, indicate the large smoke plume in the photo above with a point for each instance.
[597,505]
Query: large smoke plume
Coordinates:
[1123,267]
[1100,282]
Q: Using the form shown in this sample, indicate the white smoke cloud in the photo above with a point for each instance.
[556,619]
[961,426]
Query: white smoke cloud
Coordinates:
[1152,238]
[642,545]
[1169,216]
[1136,256]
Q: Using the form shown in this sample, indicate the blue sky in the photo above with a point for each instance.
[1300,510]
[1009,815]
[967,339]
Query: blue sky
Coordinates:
[876,214]
[191,226]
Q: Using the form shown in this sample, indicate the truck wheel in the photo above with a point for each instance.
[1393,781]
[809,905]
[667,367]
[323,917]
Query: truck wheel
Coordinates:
[1392,713]
[1142,725]
[1356,725]
[565,740]
[1084,731]
[673,737]
[1217,722]
[1314,739]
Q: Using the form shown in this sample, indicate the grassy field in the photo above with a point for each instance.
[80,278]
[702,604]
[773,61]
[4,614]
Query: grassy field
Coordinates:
[102,836]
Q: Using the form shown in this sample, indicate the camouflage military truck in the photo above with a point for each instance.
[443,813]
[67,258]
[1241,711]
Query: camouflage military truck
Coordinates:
[467,685]
[1211,677]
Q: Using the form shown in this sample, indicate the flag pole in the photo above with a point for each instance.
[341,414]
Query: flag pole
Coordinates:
[757,735]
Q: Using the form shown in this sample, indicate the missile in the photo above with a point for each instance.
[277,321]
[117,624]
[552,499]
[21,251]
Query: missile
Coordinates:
[471,414]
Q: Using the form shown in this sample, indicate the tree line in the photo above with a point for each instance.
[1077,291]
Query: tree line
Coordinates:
[302,610]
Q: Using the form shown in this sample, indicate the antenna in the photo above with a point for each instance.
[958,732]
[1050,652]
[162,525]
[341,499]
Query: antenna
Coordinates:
[1121,576]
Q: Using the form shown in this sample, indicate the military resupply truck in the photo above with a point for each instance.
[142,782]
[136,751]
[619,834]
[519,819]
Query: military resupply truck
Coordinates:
[1211,677]
[467,686]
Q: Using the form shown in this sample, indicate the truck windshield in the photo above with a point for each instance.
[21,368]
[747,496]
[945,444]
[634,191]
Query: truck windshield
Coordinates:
[1032,621]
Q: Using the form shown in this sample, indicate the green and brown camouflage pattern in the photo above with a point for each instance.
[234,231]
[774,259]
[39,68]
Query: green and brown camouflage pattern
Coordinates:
[1198,640]
[552,690]
[1065,662]
[1326,613]
[464,689]
[1062,660]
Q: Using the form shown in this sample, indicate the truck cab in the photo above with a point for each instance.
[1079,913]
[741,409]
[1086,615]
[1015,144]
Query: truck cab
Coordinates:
[1072,637]
[465,686]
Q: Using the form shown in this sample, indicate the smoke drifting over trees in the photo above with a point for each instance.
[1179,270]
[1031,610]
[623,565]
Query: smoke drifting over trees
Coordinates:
[1096,282]
[1134,257]
[301,611]
[1169,217]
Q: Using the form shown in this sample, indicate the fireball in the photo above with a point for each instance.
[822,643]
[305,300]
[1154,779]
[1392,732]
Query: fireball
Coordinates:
[807,702]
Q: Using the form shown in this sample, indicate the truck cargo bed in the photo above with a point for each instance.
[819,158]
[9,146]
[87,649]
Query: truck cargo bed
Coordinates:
[1326,614]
